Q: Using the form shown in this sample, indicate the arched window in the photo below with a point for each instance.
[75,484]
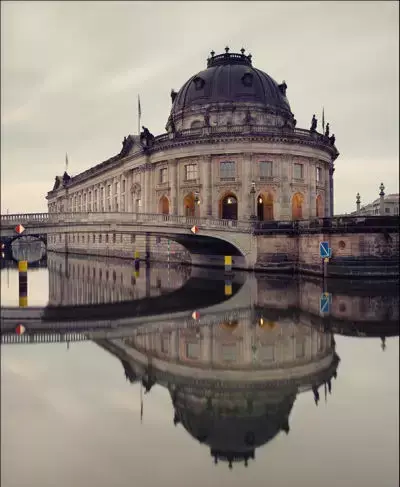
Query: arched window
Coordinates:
[163,206]
[297,206]
[229,207]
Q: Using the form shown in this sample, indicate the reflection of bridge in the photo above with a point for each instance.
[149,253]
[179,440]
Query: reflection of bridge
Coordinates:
[353,312]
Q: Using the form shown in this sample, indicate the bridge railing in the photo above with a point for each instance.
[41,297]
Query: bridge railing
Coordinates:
[126,218]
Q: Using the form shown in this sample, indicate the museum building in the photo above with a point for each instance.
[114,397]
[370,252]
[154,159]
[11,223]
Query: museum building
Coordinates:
[231,151]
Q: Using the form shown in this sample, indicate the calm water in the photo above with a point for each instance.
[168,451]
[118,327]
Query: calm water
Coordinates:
[172,405]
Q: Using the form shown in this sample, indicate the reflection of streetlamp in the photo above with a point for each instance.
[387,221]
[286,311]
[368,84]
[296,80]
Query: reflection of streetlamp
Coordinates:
[253,201]
[196,203]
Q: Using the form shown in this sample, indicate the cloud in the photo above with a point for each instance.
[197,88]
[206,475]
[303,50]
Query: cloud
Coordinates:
[71,72]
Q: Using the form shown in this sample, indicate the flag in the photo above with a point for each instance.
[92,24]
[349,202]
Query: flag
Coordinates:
[323,120]
[66,162]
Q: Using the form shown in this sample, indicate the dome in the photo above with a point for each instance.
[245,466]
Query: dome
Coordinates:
[231,78]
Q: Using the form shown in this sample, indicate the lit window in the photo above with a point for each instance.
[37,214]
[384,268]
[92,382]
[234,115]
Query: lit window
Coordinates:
[318,174]
[163,175]
[190,172]
[227,170]
[298,171]
[265,169]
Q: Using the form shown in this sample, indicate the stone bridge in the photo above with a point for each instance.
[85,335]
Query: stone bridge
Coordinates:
[214,237]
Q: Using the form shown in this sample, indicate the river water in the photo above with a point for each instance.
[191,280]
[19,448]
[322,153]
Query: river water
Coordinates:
[278,394]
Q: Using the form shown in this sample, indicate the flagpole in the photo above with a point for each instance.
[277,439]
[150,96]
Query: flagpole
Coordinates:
[139,114]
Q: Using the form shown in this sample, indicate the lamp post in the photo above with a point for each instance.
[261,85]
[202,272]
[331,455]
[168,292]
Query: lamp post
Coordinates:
[382,199]
[253,201]
[358,201]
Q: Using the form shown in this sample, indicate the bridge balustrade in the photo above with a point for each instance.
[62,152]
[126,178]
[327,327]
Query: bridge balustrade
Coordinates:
[125,217]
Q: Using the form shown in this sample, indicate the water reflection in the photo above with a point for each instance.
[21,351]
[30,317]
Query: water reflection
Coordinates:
[232,386]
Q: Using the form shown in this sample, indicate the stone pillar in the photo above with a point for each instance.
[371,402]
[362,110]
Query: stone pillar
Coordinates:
[358,201]
[174,186]
[285,192]
[382,199]
[312,202]
[328,194]
[206,204]
[147,188]
[128,192]
[331,209]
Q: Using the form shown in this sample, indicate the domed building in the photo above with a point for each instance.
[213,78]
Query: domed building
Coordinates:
[231,150]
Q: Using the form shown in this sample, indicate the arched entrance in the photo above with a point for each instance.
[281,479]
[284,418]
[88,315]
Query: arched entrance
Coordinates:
[265,207]
[163,206]
[229,207]
[297,206]
[319,207]
[189,205]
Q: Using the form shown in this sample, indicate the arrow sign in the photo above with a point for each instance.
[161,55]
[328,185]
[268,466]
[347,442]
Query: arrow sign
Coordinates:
[194,229]
[325,303]
[324,250]
[19,228]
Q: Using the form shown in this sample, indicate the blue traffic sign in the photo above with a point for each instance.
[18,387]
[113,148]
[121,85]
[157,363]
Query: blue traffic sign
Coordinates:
[325,302]
[324,250]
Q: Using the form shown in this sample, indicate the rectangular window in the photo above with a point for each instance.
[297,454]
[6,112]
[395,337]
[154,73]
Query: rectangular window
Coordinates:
[387,210]
[165,344]
[192,350]
[318,175]
[300,349]
[298,171]
[191,172]
[265,169]
[229,353]
[123,185]
[227,170]
[267,353]
[163,175]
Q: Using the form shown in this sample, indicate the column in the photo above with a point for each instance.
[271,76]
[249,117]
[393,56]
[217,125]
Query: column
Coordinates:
[328,195]
[312,203]
[174,186]
[207,187]
[382,199]
[248,176]
[285,213]
[146,192]
[331,200]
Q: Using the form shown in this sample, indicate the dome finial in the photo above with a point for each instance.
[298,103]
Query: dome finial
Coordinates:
[242,50]
[227,49]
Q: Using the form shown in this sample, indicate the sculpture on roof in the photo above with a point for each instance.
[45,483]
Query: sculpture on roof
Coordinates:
[327,130]
[314,121]
[146,138]
[174,94]
[332,139]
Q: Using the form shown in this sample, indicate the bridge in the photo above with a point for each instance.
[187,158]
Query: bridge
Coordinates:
[240,239]
[214,237]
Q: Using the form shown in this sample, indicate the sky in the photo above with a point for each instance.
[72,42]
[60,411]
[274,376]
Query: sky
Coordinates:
[71,73]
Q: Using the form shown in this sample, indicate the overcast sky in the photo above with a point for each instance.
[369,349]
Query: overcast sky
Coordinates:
[71,72]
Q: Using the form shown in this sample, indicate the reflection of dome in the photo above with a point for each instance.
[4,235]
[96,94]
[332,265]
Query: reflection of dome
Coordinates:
[234,431]
[231,78]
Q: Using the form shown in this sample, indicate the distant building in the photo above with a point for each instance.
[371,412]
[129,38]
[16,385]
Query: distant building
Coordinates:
[384,205]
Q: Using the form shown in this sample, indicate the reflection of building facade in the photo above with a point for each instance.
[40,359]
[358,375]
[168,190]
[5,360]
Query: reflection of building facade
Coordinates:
[232,385]
[231,149]
[93,280]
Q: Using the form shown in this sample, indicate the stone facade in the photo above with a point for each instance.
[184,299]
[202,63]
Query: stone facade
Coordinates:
[231,159]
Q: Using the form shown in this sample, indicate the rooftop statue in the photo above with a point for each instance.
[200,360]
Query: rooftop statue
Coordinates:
[146,137]
[332,139]
[313,124]
[327,130]
[173,95]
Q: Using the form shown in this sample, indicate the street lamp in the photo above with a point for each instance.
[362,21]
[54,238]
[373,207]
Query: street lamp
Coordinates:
[382,188]
[253,201]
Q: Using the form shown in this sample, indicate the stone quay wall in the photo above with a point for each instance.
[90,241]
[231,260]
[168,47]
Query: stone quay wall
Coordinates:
[361,253]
